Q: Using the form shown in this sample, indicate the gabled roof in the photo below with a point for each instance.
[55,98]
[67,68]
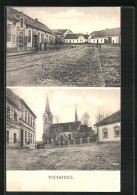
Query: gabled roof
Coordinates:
[71,36]
[14,15]
[116,117]
[17,100]
[60,31]
[67,127]
[75,36]
[106,32]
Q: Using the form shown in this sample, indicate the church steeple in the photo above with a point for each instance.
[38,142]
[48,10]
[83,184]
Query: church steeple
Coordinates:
[76,116]
[47,108]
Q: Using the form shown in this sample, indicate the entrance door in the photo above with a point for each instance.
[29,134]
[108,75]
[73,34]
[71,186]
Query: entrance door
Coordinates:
[7,136]
[21,137]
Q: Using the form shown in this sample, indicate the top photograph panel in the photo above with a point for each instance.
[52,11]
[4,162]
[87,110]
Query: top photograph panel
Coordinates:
[63,46]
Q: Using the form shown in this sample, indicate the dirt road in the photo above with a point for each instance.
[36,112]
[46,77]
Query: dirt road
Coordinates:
[77,66]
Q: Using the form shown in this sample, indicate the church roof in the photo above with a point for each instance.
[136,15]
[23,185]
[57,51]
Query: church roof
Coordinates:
[67,127]
[47,108]
[71,126]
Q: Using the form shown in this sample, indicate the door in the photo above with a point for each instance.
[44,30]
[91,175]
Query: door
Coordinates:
[21,137]
[7,136]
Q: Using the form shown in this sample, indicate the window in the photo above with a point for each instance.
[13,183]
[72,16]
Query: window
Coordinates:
[28,137]
[15,116]
[101,40]
[7,136]
[8,112]
[33,139]
[33,123]
[25,115]
[15,138]
[73,40]
[29,36]
[77,40]
[21,23]
[28,118]
[105,133]
[117,131]
[22,112]
[9,33]
[25,136]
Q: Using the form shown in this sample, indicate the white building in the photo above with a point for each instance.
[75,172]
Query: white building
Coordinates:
[76,38]
[109,128]
[105,36]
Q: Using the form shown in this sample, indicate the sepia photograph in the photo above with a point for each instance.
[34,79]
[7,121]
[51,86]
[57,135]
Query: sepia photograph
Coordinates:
[63,129]
[63,46]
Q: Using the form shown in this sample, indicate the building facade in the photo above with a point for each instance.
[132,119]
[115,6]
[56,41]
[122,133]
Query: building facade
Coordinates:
[63,131]
[109,128]
[76,38]
[26,33]
[105,36]
[20,122]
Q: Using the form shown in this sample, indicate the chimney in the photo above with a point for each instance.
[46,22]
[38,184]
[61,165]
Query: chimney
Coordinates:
[36,19]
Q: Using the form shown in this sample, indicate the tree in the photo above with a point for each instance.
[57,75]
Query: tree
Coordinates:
[101,115]
[85,119]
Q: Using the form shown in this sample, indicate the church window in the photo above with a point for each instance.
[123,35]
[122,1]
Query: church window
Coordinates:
[105,132]
[117,131]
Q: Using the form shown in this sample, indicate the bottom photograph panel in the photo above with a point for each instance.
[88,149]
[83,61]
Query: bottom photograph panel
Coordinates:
[63,129]
[59,138]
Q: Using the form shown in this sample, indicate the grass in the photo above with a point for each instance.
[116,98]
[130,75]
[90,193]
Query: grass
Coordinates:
[109,56]
[93,156]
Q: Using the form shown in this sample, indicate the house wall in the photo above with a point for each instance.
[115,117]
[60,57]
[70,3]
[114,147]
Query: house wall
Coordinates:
[111,134]
[79,40]
[100,40]
[116,39]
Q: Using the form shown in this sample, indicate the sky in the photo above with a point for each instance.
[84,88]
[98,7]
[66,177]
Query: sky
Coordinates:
[63,100]
[77,19]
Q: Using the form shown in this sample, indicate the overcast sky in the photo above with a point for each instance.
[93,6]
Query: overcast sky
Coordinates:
[77,19]
[62,102]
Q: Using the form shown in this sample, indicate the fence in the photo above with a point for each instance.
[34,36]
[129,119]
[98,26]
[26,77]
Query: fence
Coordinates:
[76,141]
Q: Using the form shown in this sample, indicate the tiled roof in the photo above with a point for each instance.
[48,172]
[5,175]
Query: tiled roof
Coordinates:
[17,100]
[36,24]
[106,32]
[14,15]
[116,117]
[72,36]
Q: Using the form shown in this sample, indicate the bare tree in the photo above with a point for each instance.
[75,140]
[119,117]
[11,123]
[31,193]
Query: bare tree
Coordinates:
[85,119]
[101,115]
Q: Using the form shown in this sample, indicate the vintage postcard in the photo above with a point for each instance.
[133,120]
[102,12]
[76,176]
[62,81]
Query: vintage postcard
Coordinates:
[63,110]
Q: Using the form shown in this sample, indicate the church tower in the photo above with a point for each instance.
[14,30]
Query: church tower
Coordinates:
[76,116]
[47,120]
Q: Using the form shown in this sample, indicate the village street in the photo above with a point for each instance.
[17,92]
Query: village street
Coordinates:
[92,156]
[79,65]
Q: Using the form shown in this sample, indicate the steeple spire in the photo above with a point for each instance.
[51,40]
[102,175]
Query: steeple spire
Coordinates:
[47,108]
[76,116]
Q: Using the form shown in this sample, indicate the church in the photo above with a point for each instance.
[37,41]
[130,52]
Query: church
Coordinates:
[63,131]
